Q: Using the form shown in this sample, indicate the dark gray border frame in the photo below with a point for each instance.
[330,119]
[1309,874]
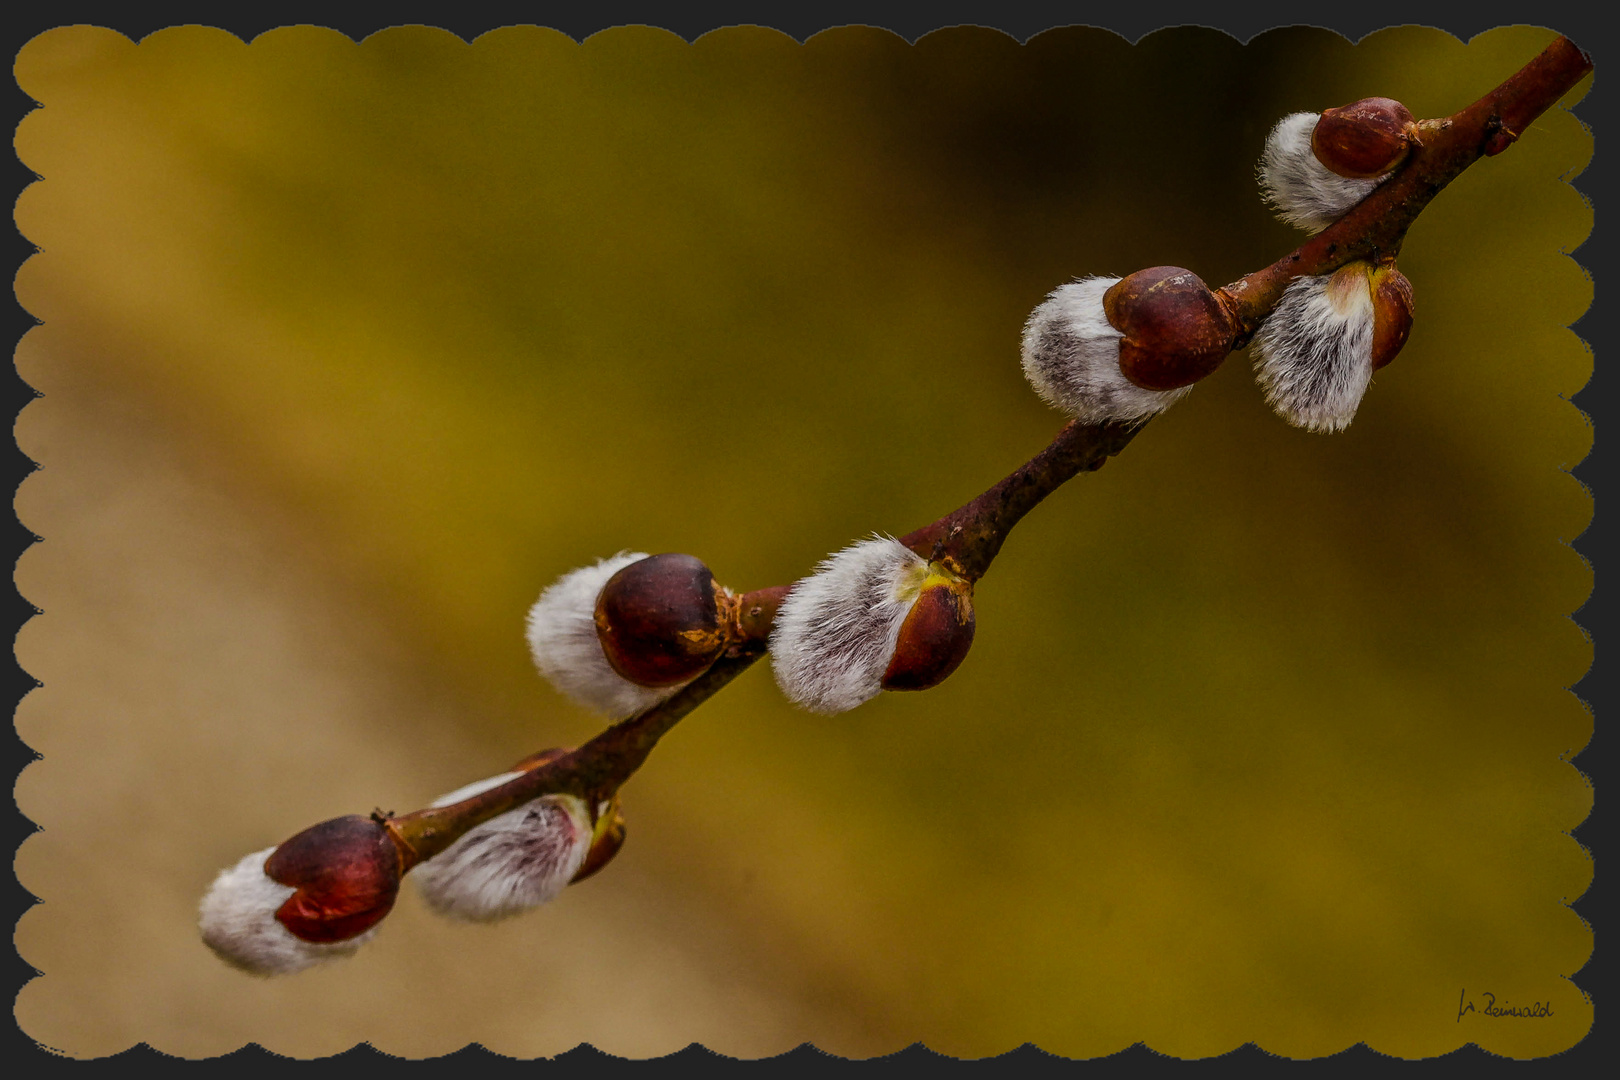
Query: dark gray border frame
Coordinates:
[1020,19]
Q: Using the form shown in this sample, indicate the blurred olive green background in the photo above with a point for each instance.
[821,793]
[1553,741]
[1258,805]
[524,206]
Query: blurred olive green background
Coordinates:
[349,349]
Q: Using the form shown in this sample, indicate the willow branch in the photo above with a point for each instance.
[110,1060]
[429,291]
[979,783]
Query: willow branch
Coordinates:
[969,538]
[593,772]
[1375,228]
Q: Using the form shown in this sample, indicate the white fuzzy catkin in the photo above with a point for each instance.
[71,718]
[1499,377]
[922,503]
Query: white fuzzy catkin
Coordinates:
[835,632]
[238,921]
[1313,354]
[1071,357]
[510,863]
[1303,192]
[562,638]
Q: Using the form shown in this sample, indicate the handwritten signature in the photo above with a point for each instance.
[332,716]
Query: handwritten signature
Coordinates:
[1492,1008]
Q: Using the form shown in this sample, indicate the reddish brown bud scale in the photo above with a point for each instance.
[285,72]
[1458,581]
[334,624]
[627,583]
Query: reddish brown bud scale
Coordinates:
[1392,313]
[662,620]
[1176,331]
[934,638]
[1364,139]
[346,872]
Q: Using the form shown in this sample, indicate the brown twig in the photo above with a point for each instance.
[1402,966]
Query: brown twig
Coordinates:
[968,539]
[593,772]
[1376,226]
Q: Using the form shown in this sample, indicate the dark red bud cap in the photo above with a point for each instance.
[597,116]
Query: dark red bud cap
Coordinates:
[662,620]
[1364,139]
[934,639]
[1176,330]
[346,872]
[1392,314]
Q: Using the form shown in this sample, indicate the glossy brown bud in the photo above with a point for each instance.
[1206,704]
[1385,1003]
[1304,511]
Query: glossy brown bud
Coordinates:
[1392,313]
[1364,139]
[1176,331]
[662,620]
[346,872]
[606,839]
[935,636]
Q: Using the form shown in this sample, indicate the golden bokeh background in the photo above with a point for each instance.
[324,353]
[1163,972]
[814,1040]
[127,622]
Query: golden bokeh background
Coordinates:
[349,349]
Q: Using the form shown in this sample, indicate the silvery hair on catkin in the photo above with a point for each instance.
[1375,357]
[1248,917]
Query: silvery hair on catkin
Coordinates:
[1314,359]
[1071,357]
[509,864]
[1304,192]
[835,633]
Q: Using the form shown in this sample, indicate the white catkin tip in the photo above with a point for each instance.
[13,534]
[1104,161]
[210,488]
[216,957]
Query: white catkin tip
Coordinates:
[835,632]
[562,638]
[510,863]
[1313,354]
[1071,357]
[1300,188]
[238,921]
